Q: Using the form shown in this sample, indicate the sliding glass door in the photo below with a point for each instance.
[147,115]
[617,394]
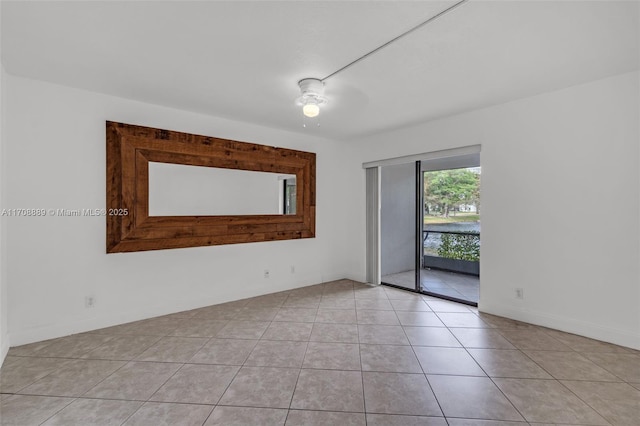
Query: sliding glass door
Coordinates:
[398,225]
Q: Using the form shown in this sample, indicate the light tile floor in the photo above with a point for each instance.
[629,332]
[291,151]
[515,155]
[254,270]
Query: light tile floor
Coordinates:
[451,284]
[340,353]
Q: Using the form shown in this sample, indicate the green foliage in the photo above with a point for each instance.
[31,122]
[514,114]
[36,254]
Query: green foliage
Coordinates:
[446,189]
[463,247]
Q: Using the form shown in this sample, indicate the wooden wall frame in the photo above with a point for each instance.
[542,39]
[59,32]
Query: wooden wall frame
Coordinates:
[130,148]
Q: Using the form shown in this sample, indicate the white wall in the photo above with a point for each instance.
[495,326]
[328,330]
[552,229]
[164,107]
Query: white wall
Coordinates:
[397,218]
[55,158]
[560,203]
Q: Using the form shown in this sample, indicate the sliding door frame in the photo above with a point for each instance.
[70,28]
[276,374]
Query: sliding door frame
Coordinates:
[373,169]
[419,224]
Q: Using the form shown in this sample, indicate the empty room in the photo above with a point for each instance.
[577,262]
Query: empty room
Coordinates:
[320,212]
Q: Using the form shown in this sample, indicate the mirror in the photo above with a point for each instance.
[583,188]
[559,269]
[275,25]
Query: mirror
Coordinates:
[179,190]
[154,202]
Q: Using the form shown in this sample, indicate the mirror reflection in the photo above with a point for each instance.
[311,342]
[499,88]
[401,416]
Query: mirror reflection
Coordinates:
[183,190]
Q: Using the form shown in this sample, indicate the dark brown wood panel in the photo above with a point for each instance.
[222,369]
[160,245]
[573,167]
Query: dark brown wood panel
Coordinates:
[130,148]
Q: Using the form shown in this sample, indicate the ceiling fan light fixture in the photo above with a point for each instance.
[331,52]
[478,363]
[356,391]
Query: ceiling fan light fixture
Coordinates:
[311,109]
[312,96]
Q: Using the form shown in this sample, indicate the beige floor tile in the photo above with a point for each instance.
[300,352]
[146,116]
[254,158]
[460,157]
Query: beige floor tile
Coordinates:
[123,348]
[423,319]
[337,303]
[472,397]
[329,390]
[502,322]
[149,327]
[253,313]
[324,418]
[548,401]
[376,317]
[30,349]
[374,304]
[163,414]
[173,349]
[455,361]
[431,336]
[198,328]
[462,319]
[296,315]
[20,410]
[438,305]
[584,344]
[401,420]
[338,333]
[338,296]
[243,330]
[197,384]
[382,335]
[74,378]
[332,356]
[625,366]
[348,343]
[217,312]
[533,339]
[481,338]
[312,302]
[102,412]
[269,353]
[508,363]
[297,331]
[428,298]
[267,387]
[73,346]
[618,403]
[570,366]
[399,393]
[413,305]
[370,292]
[244,416]
[396,294]
[136,380]
[224,351]
[267,301]
[308,291]
[19,372]
[389,358]
[336,316]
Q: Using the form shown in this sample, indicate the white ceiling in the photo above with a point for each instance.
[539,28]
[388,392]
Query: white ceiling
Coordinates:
[242,60]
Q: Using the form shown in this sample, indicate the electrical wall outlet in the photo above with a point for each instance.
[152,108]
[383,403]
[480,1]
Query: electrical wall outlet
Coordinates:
[89,302]
[519,293]
[266,273]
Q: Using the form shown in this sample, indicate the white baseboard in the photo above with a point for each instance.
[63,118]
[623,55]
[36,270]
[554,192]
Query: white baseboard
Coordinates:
[569,325]
[4,349]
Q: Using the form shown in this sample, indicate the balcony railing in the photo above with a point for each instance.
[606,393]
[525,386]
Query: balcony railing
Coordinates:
[456,251]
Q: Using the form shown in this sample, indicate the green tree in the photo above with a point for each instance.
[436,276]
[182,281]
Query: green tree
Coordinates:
[446,189]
